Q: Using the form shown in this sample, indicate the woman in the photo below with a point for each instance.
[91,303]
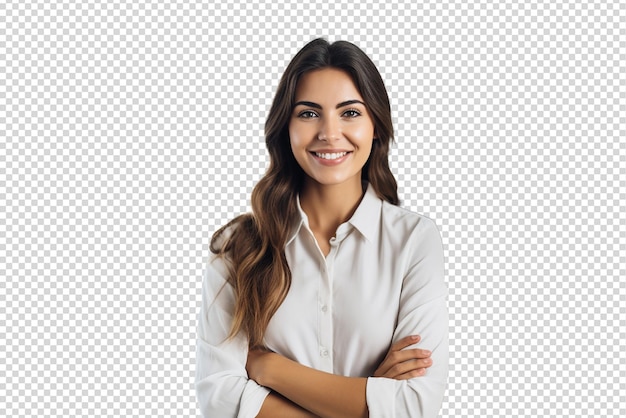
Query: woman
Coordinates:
[314,303]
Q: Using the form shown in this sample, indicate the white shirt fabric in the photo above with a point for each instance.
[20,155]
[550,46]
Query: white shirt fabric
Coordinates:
[382,280]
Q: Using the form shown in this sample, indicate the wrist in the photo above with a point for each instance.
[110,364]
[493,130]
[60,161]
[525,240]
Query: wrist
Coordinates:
[265,378]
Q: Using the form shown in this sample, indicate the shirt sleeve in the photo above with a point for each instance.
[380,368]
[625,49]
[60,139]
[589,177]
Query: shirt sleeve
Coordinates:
[423,310]
[222,385]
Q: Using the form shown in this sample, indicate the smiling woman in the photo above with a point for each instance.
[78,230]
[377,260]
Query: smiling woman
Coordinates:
[314,304]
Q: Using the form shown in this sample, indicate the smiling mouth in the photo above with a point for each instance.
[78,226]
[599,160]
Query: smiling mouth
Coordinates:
[330,156]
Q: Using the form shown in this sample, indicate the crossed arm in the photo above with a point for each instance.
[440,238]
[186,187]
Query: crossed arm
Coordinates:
[300,391]
[232,381]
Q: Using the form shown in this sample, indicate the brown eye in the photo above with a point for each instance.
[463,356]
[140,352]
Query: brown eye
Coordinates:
[352,113]
[307,114]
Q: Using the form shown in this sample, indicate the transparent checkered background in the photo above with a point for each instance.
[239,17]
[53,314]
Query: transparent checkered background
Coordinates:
[131,131]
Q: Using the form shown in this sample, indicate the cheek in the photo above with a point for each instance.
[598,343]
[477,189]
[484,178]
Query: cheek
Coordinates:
[296,143]
[299,137]
[293,141]
[363,135]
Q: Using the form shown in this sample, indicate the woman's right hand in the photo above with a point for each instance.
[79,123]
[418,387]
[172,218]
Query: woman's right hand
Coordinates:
[403,364]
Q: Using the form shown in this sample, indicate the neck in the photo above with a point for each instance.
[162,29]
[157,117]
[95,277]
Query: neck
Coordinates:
[328,206]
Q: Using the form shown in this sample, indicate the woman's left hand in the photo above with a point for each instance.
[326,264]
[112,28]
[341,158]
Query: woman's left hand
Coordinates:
[401,364]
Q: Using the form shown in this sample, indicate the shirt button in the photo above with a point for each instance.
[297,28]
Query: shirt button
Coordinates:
[323,352]
[324,308]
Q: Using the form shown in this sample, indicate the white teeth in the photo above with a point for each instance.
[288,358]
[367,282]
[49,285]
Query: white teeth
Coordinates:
[331,156]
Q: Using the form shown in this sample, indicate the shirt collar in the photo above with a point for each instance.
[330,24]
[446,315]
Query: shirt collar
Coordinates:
[365,219]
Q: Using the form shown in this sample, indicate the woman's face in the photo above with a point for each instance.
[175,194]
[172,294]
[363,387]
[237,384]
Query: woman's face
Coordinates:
[330,130]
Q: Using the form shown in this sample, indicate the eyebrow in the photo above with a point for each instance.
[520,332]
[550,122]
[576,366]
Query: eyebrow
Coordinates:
[317,106]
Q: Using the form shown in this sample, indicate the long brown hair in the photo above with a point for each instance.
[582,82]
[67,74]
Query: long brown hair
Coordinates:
[255,244]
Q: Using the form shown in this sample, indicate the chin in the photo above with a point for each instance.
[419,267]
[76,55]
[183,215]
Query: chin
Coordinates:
[326,181]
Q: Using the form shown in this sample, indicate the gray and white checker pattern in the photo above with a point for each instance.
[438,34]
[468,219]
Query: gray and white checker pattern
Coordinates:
[131,131]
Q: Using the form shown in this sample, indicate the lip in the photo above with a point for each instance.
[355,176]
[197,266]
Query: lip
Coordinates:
[330,150]
[325,162]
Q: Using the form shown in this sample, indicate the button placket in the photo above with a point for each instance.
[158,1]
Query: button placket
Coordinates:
[325,313]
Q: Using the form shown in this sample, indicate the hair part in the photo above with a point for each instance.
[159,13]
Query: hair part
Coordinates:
[259,272]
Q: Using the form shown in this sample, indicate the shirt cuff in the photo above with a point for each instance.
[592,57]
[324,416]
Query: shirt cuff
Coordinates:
[252,399]
[380,397]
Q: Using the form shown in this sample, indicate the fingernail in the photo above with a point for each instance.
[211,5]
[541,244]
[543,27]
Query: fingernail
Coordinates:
[415,337]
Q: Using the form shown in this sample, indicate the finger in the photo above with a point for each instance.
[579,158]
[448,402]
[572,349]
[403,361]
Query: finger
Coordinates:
[385,366]
[406,355]
[390,360]
[411,374]
[409,369]
[399,357]
[408,366]
[405,342]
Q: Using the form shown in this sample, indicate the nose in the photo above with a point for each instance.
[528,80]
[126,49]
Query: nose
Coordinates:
[329,130]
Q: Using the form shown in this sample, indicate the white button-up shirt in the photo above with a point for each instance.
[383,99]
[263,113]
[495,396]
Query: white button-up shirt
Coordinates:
[382,281]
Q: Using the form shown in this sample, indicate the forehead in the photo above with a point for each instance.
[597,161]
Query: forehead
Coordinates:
[327,85]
